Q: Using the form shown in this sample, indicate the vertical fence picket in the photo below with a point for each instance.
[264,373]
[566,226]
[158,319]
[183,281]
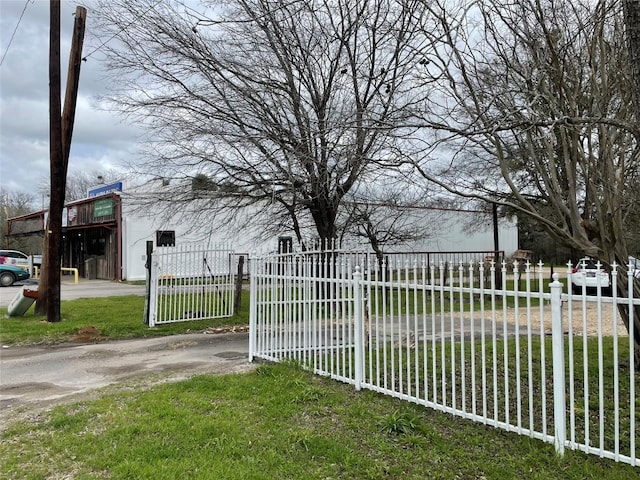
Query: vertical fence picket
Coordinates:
[383,316]
[403,339]
[416,339]
[616,380]
[572,393]
[389,318]
[254,338]
[516,306]
[371,326]
[632,373]
[530,406]
[434,350]
[600,373]
[505,335]
[452,332]
[483,344]
[472,334]
[494,344]
[559,399]
[443,366]
[425,362]
[375,313]
[358,330]
[543,364]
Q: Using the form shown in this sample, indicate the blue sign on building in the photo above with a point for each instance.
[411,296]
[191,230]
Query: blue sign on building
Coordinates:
[104,189]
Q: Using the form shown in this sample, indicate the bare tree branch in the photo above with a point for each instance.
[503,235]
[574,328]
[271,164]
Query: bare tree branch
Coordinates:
[290,103]
[537,114]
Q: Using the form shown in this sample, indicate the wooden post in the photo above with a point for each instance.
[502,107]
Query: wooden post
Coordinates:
[239,277]
[73,80]
[147,294]
[60,133]
[496,245]
[49,289]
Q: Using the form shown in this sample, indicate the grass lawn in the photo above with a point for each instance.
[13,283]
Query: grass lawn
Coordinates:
[96,319]
[276,422]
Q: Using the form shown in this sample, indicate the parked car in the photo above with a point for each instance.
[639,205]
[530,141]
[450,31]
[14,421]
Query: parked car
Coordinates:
[635,266]
[15,257]
[9,274]
[589,273]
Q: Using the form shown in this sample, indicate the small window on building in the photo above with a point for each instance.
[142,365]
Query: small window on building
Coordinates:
[165,238]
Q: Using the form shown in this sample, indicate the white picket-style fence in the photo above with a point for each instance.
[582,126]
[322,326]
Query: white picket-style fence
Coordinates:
[522,356]
[188,283]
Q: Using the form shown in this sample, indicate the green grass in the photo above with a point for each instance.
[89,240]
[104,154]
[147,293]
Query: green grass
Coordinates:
[403,299]
[111,317]
[403,370]
[276,422]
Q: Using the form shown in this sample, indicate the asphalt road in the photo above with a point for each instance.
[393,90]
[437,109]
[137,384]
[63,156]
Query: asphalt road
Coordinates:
[37,377]
[33,378]
[70,291]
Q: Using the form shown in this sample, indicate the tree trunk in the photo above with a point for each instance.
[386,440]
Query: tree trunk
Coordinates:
[632,25]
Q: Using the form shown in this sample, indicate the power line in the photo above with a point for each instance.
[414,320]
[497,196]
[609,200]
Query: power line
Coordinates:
[15,29]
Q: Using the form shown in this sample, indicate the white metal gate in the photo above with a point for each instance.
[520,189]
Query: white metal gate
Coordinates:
[188,283]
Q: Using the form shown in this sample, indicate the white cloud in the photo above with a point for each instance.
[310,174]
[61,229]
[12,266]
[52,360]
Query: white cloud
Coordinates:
[101,139]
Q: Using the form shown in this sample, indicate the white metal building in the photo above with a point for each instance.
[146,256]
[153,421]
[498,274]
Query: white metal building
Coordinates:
[106,234]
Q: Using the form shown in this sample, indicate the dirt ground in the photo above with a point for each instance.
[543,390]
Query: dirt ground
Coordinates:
[580,323]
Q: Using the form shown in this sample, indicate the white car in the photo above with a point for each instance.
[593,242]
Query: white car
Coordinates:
[590,274]
[17,258]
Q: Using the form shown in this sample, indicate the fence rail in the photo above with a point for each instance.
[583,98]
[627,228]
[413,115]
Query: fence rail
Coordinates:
[519,355]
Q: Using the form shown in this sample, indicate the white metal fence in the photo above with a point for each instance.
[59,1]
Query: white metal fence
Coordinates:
[189,283]
[522,355]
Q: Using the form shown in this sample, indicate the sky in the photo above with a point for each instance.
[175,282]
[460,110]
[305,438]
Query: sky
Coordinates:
[102,140]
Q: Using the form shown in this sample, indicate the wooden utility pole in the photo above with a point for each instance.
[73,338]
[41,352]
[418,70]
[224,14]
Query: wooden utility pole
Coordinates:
[497,258]
[48,294]
[60,134]
[73,80]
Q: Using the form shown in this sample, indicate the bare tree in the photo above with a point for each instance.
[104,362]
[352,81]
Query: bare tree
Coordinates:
[80,181]
[14,204]
[632,25]
[383,216]
[631,9]
[537,113]
[283,105]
